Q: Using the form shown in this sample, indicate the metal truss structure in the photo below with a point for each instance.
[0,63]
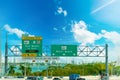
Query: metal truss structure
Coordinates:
[15,50]
[83,51]
[96,51]
[91,51]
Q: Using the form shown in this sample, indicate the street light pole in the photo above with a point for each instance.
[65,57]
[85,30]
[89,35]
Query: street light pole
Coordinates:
[0,51]
[6,53]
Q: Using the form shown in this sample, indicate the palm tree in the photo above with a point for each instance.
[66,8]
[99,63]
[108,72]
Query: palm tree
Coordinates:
[11,69]
[25,70]
[22,68]
[28,70]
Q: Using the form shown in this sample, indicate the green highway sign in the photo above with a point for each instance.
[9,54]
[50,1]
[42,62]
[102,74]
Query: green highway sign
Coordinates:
[31,46]
[63,50]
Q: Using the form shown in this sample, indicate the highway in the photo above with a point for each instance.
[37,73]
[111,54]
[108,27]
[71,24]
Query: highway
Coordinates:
[67,78]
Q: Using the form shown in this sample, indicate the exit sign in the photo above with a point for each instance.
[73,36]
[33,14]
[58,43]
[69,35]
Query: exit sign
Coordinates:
[31,46]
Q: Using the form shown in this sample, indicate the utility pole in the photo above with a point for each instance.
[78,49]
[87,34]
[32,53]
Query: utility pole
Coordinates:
[6,53]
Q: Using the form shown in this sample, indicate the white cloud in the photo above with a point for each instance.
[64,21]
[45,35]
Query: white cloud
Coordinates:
[103,6]
[65,13]
[16,31]
[82,35]
[61,11]
[112,36]
[55,29]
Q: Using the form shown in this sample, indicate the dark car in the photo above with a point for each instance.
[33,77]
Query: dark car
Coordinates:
[31,78]
[49,77]
[34,78]
[20,76]
[80,78]
[56,79]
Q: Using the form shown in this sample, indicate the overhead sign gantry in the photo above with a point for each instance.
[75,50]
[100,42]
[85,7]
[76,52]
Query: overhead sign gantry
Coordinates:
[32,47]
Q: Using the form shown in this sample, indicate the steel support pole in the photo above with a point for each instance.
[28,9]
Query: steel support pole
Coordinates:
[106,58]
[6,54]
[0,52]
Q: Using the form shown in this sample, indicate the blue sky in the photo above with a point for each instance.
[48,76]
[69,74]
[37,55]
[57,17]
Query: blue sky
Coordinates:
[81,22]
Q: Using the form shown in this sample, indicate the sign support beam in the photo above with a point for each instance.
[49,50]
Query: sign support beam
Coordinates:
[106,58]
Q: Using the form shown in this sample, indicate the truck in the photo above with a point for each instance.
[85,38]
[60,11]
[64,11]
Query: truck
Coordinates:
[74,76]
